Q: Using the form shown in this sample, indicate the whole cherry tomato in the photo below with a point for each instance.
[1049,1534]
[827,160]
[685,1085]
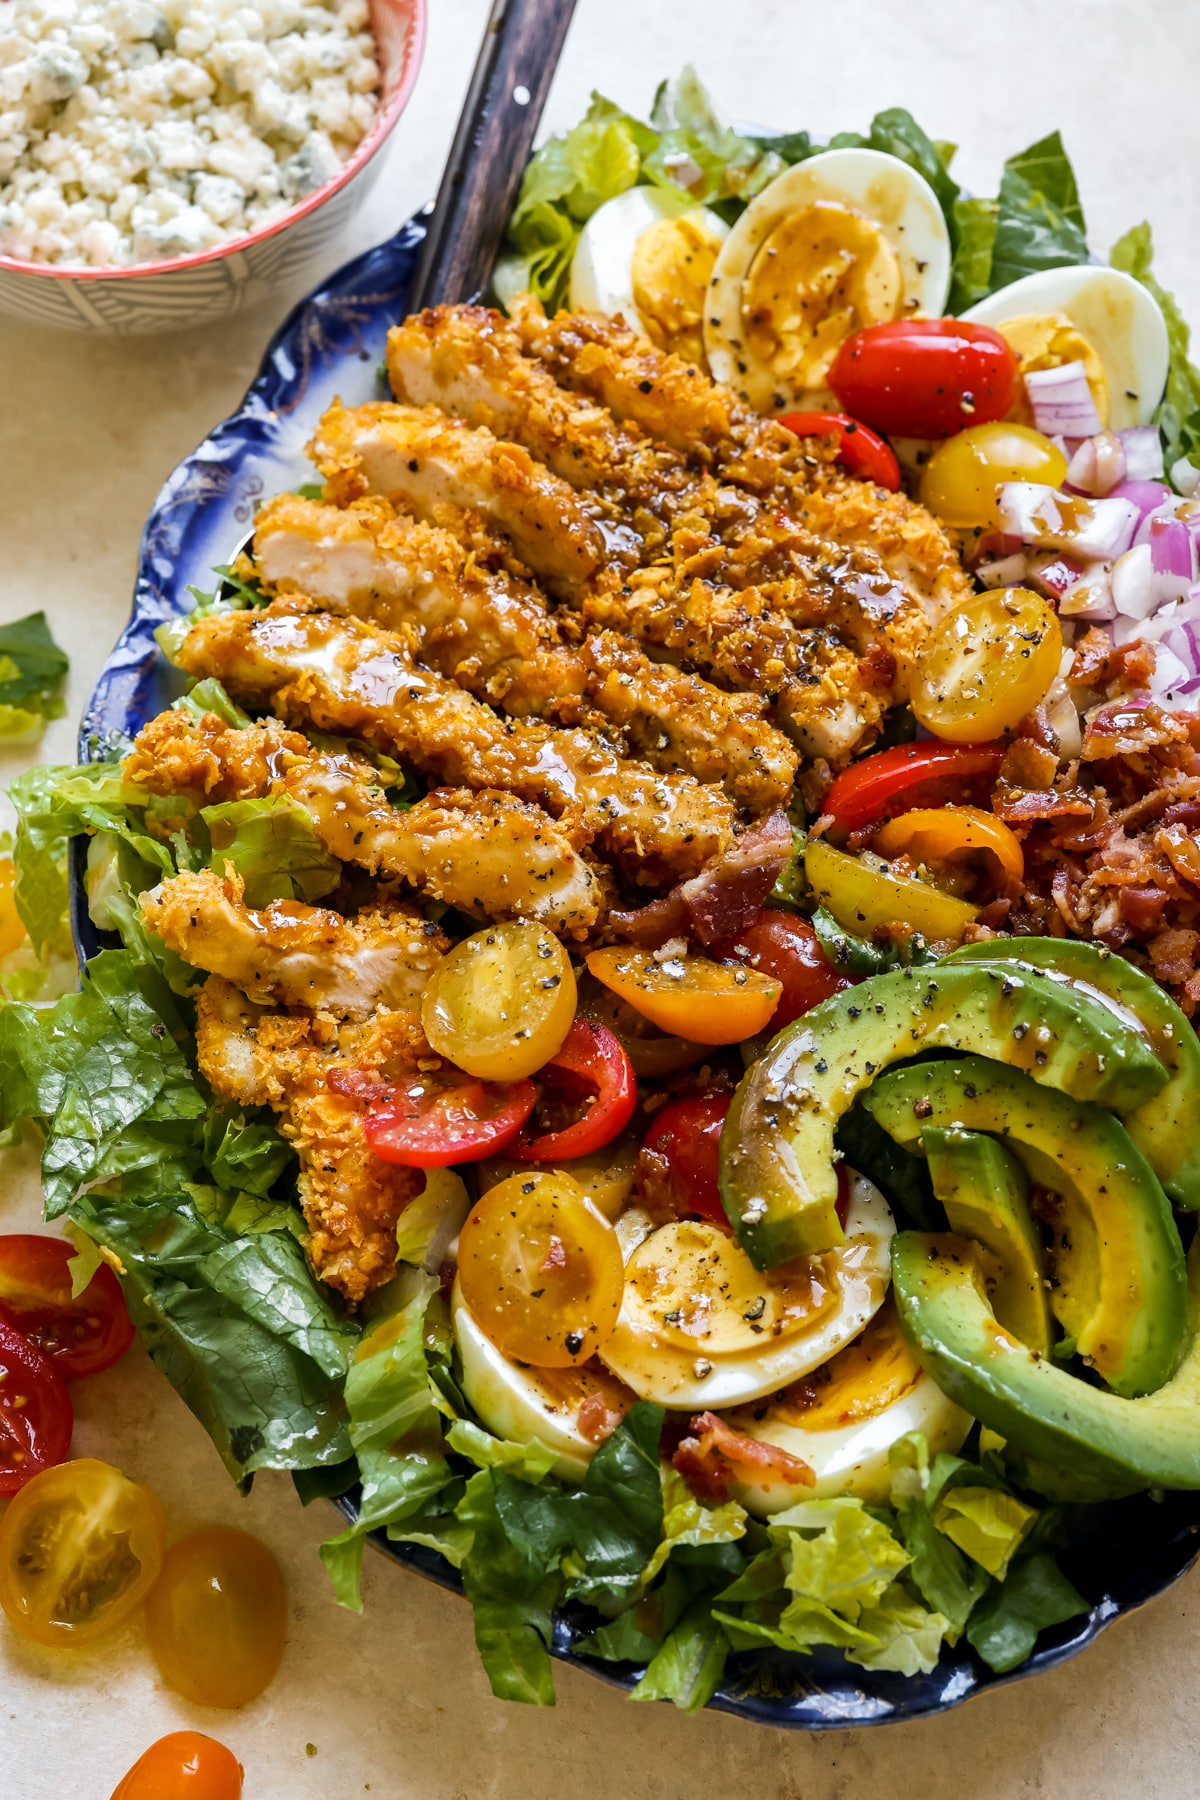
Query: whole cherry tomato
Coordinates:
[217,1617]
[79,1336]
[36,1416]
[925,378]
[589,1088]
[784,945]
[186,1765]
[677,1169]
[859,449]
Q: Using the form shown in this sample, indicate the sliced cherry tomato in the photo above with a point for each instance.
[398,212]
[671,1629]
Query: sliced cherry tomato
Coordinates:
[12,926]
[540,1270]
[501,1003]
[79,1336]
[960,479]
[948,833]
[910,775]
[432,1121]
[925,378]
[987,663]
[859,449]
[36,1418]
[784,945]
[681,1152]
[690,996]
[590,1071]
[217,1617]
[80,1546]
[185,1765]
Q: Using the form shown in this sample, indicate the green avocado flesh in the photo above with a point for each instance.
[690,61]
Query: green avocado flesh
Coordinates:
[1086,1444]
[1167,1125]
[778,1179]
[985,1192]
[1117,1260]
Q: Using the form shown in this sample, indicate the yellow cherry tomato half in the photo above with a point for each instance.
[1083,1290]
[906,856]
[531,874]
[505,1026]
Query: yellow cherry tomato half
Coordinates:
[185,1765]
[865,896]
[12,929]
[500,1004]
[80,1546]
[987,664]
[540,1270]
[945,833]
[689,996]
[217,1617]
[607,1176]
[961,477]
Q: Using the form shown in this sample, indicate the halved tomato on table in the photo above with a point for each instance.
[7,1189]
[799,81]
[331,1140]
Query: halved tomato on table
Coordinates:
[36,1418]
[80,1334]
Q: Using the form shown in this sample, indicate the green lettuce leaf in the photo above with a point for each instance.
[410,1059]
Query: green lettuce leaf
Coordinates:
[32,669]
[1178,415]
[687,1670]
[949,1582]
[698,155]
[429,1224]
[513,1585]
[908,1637]
[209,696]
[901,1178]
[975,223]
[839,1554]
[1039,224]
[855,955]
[273,847]
[531,1461]
[688,1525]
[988,1525]
[1035,1594]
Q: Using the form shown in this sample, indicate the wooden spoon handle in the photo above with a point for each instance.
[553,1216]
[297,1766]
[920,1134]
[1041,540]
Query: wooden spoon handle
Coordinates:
[516,64]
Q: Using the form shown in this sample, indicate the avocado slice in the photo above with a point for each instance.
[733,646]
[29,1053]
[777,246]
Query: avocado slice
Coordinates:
[985,1192]
[778,1180]
[1118,1264]
[1077,1442]
[1164,1127]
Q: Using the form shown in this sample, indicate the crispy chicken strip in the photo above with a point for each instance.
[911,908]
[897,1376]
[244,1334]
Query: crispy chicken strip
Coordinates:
[344,676]
[351,1198]
[488,854]
[495,637]
[293,954]
[422,460]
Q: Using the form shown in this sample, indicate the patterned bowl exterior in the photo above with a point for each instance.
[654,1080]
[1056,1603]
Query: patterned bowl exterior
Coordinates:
[194,290]
[1119,1556]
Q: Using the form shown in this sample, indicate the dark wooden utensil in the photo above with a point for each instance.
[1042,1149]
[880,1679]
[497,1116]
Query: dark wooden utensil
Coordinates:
[517,60]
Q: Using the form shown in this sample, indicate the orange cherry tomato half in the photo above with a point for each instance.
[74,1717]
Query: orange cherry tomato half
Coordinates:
[690,996]
[217,1617]
[910,775]
[944,834]
[859,449]
[79,1336]
[433,1121]
[185,1765]
[36,1417]
[925,378]
[588,1093]
[784,945]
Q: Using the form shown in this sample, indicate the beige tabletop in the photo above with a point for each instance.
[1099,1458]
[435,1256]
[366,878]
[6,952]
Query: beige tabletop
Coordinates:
[393,1702]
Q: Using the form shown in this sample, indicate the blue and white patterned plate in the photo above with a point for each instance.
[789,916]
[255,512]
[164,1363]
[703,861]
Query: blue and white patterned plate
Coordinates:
[1120,1556]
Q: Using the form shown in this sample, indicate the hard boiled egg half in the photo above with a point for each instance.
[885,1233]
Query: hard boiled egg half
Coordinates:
[844,1417]
[1100,317]
[848,238]
[648,255]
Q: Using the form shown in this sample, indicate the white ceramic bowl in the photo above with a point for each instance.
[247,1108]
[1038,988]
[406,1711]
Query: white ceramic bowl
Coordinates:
[193,290]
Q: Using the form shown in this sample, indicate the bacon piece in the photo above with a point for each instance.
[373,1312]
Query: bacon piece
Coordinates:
[596,1419]
[1142,907]
[722,899]
[1023,806]
[716,1455]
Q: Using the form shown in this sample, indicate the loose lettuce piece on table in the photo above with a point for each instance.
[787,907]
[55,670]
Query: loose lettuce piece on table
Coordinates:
[1178,415]
[32,669]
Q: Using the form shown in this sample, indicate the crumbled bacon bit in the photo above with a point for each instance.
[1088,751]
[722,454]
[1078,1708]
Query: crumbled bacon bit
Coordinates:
[596,1419]
[556,1255]
[714,1455]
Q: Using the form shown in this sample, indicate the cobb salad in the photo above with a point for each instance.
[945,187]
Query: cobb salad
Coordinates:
[644,1030]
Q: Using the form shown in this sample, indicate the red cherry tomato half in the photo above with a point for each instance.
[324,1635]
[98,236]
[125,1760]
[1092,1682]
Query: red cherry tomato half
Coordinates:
[909,775]
[860,450]
[432,1121]
[785,946]
[184,1766]
[79,1336]
[589,1091]
[681,1155]
[36,1417]
[925,378]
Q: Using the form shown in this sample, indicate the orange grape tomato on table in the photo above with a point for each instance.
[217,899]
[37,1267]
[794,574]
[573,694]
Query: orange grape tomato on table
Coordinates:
[217,1617]
[186,1765]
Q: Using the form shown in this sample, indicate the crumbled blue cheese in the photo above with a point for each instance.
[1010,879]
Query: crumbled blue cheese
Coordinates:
[136,130]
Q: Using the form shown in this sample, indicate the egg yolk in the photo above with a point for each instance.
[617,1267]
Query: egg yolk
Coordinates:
[1046,341]
[822,273]
[872,1373]
[672,262]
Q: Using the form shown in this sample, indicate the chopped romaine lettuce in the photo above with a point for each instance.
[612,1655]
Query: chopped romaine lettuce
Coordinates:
[273,847]
[1178,415]
[32,669]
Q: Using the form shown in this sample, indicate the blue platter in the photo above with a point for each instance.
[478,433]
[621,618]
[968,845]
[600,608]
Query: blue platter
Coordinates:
[1120,1556]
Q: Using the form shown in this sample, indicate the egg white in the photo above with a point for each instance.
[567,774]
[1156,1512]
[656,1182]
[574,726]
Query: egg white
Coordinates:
[881,187]
[602,267]
[852,1458]
[1119,318]
[647,1353]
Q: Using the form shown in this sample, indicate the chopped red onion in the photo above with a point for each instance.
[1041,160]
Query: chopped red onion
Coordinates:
[1143,453]
[1008,571]
[1096,530]
[1173,557]
[1133,583]
[1055,575]
[1062,401]
[1091,599]
[1147,496]
[1182,641]
[1098,465]
[1185,475]
[1169,671]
